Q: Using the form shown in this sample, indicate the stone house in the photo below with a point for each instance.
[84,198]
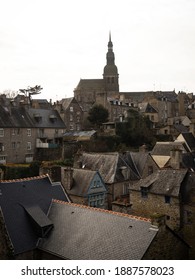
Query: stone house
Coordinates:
[114,170]
[88,233]
[25,131]
[24,204]
[17,133]
[161,193]
[143,165]
[85,187]
[71,113]
[149,111]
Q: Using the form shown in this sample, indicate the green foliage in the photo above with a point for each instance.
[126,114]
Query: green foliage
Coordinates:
[97,115]
[136,130]
[21,170]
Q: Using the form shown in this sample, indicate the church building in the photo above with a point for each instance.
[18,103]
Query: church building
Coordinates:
[91,91]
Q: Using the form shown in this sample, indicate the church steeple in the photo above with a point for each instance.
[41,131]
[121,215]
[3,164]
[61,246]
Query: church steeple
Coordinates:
[110,74]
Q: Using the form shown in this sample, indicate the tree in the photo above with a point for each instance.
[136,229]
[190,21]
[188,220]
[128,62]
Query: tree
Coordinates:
[136,130]
[97,115]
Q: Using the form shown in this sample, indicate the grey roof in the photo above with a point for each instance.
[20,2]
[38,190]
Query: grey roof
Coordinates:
[139,96]
[66,102]
[20,117]
[180,128]
[137,161]
[85,233]
[78,135]
[14,117]
[20,199]
[163,182]
[88,84]
[109,166]
[145,107]
[190,139]
[47,118]
[81,182]
[164,148]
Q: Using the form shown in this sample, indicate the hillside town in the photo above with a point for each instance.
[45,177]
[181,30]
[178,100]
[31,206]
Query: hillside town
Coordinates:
[102,175]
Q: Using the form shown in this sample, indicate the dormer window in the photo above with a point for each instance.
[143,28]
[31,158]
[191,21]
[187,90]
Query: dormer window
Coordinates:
[52,118]
[37,117]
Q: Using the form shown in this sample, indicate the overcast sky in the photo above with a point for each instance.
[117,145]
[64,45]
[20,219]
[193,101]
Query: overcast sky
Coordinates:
[56,43]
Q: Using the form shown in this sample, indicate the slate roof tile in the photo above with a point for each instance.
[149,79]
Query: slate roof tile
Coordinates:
[82,232]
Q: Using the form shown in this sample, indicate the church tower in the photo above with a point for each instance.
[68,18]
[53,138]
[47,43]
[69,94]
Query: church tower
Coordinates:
[110,74]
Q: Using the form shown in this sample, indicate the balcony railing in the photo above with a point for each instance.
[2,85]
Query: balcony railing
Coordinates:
[40,144]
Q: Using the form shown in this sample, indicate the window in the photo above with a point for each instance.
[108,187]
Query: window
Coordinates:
[1,132]
[96,200]
[29,146]
[112,80]
[144,192]
[28,132]
[71,126]
[13,145]
[126,188]
[1,147]
[167,199]
[71,109]
[71,117]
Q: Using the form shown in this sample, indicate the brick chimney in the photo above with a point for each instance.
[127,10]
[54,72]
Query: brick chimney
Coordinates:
[67,178]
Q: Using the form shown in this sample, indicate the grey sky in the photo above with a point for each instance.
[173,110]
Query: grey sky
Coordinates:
[55,43]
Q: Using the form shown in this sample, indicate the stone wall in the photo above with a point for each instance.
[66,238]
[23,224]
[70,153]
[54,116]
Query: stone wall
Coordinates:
[167,246]
[155,204]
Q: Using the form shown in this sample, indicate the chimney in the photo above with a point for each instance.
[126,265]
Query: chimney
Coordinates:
[158,221]
[176,158]
[67,177]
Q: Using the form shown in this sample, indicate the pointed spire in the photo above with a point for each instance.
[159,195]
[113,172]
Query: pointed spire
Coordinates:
[110,45]
[110,36]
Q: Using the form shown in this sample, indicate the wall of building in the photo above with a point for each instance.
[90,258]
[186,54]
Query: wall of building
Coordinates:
[155,204]
[19,144]
[167,246]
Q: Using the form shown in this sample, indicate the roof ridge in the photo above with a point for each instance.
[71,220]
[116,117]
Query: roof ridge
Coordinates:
[102,210]
[25,179]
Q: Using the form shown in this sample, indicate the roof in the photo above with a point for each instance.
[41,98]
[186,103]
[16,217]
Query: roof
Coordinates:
[15,117]
[47,118]
[189,139]
[146,107]
[109,166]
[87,233]
[88,84]
[78,135]
[164,148]
[80,187]
[180,128]
[23,198]
[139,96]
[66,102]
[27,118]
[162,182]
[137,161]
